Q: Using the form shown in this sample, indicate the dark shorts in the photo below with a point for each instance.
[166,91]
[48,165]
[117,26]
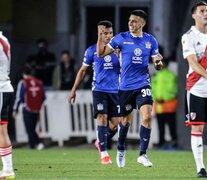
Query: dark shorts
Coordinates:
[5,102]
[196,109]
[106,103]
[132,99]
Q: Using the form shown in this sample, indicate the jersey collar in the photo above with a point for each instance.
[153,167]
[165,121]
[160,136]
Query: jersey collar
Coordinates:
[134,36]
[193,28]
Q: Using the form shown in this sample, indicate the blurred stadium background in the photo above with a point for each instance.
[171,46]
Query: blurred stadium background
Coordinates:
[71,24]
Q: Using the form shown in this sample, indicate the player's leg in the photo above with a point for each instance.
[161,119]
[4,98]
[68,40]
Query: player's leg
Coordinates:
[112,129]
[144,103]
[113,115]
[102,138]
[123,128]
[127,103]
[101,115]
[196,116]
[5,143]
[145,131]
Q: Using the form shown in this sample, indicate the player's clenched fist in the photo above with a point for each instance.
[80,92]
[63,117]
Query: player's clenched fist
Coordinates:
[101,30]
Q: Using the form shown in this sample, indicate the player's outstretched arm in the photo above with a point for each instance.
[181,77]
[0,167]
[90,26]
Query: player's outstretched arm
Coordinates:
[79,77]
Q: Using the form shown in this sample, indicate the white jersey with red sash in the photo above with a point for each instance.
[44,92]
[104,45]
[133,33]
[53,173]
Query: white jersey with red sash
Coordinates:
[5,60]
[195,42]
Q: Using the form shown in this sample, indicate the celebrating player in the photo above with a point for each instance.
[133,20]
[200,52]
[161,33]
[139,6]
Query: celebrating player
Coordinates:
[136,50]
[104,88]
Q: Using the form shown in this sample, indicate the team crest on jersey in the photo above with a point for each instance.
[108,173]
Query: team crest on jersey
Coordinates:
[100,107]
[137,52]
[128,107]
[107,58]
[148,45]
[192,115]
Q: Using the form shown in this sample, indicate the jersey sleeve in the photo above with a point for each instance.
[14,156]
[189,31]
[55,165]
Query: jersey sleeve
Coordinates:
[88,57]
[187,46]
[154,50]
[115,42]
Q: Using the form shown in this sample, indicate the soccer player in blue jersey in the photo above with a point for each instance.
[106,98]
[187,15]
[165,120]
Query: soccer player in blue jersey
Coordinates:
[136,49]
[105,90]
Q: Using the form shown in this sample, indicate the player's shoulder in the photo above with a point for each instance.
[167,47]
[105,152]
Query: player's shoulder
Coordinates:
[124,34]
[149,37]
[91,49]
[189,33]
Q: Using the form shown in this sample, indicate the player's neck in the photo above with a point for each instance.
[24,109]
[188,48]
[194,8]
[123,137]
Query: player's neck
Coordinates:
[137,34]
[202,28]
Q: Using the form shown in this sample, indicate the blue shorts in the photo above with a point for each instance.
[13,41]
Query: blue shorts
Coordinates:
[106,103]
[129,100]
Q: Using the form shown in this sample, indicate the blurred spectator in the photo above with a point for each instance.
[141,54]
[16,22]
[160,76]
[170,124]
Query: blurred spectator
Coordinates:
[164,89]
[43,63]
[64,73]
[30,93]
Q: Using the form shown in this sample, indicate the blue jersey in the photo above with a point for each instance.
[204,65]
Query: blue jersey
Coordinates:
[105,70]
[135,55]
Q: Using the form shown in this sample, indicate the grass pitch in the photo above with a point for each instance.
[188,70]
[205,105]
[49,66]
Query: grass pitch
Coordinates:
[84,164]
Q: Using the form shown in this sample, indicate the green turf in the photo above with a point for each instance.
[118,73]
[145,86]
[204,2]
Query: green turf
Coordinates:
[82,164]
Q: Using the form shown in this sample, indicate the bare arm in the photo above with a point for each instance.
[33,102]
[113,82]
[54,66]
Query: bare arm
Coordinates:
[192,60]
[101,48]
[79,77]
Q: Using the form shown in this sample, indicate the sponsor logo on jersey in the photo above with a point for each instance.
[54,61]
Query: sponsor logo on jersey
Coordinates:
[148,45]
[137,52]
[137,59]
[108,64]
[128,42]
[100,107]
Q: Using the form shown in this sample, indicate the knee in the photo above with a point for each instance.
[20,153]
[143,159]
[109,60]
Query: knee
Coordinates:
[146,119]
[102,119]
[126,121]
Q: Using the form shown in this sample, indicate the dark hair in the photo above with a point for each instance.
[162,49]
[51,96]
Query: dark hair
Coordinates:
[140,13]
[106,23]
[42,41]
[27,69]
[194,8]
[65,52]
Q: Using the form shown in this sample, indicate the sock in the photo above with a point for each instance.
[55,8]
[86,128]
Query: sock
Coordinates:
[6,157]
[110,134]
[102,137]
[122,134]
[144,139]
[103,154]
[197,148]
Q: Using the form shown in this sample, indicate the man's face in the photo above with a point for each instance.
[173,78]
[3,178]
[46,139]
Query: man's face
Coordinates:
[200,15]
[107,34]
[135,23]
